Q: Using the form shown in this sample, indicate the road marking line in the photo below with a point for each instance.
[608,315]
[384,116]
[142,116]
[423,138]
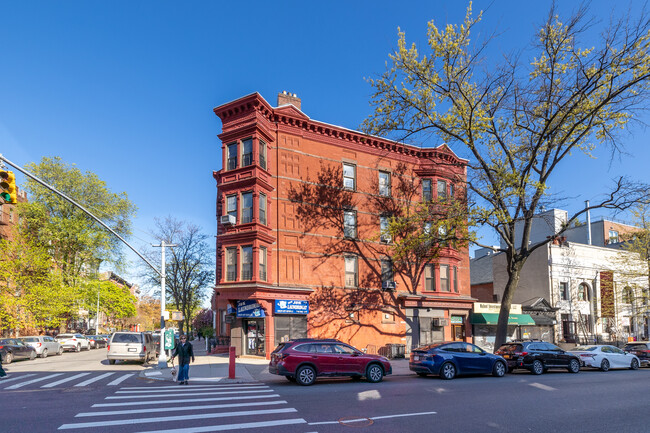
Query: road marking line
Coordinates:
[231,427]
[20,385]
[156,390]
[94,379]
[177,408]
[189,400]
[243,385]
[120,380]
[185,395]
[542,386]
[67,379]
[3,381]
[374,418]
[183,417]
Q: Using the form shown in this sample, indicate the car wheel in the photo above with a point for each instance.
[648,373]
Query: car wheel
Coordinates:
[447,371]
[32,355]
[290,378]
[422,374]
[499,369]
[634,365]
[60,351]
[374,373]
[538,367]
[9,357]
[604,365]
[111,361]
[88,348]
[306,375]
[78,348]
[44,353]
[574,366]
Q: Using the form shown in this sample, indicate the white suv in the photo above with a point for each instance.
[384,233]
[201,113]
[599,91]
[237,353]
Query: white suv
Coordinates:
[76,342]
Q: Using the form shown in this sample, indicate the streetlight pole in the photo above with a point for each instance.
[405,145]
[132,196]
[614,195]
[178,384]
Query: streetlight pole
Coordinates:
[162,358]
[97,317]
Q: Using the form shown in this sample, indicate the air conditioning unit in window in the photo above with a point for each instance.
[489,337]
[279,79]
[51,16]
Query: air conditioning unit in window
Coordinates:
[388,285]
[439,322]
[385,238]
[228,220]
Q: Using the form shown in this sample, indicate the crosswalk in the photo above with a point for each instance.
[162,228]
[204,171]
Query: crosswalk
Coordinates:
[163,408]
[26,381]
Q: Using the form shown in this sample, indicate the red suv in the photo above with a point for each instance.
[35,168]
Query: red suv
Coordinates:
[303,359]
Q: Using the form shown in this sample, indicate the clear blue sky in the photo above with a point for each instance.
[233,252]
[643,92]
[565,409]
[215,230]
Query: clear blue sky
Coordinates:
[126,89]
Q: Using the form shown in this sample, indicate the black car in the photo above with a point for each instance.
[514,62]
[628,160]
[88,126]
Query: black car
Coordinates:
[641,349]
[96,341]
[12,348]
[537,356]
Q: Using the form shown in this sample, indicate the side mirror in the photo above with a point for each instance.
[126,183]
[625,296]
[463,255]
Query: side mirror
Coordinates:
[483,353]
[357,354]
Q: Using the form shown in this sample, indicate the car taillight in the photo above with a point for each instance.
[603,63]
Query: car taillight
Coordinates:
[587,355]
[521,353]
[108,347]
[74,339]
[280,356]
[38,344]
[1,347]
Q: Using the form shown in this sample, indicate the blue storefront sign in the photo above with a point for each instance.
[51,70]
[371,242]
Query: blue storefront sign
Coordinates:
[291,307]
[249,308]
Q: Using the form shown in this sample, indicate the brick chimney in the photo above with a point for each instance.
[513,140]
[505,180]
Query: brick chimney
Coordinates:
[285,97]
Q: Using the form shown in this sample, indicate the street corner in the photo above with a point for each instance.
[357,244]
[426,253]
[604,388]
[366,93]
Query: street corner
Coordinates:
[155,373]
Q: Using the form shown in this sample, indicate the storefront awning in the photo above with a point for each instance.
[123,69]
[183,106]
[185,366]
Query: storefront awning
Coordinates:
[492,318]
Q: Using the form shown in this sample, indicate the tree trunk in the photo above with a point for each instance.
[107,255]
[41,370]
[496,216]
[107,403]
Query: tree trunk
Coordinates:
[506,302]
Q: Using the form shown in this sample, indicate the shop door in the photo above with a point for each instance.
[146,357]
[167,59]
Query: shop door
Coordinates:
[458,332]
[254,329]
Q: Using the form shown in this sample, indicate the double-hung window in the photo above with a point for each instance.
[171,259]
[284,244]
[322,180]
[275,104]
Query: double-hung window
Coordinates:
[349,176]
[246,207]
[231,206]
[426,190]
[263,209]
[350,224]
[564,291]
[384,236]
[262,260]
[351,271]
[384,184]
[442,189]
[444,278]
[247,263]
[231,264]
[429,285]
[386,270]
[247,152]
[262,154]
[232,156]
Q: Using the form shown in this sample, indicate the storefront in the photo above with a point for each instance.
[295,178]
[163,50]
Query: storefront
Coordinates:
[251,317]
[484,323]
[290,319]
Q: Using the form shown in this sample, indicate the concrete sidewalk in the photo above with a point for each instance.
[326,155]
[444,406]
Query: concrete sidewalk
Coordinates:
[214,368]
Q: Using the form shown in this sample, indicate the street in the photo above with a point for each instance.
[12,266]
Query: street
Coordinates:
[78,392]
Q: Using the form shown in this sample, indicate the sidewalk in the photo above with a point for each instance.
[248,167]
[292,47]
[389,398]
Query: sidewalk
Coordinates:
[214,368]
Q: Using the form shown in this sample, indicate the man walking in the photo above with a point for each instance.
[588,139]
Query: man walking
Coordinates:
[185,353]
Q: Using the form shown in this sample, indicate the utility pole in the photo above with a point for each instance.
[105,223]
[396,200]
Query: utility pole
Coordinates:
[162,359]
[97,317]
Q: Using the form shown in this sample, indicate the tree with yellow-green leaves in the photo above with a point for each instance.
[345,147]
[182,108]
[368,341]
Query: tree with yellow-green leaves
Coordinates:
[517,121]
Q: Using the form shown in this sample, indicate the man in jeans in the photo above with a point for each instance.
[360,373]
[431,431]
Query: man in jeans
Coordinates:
[185,353]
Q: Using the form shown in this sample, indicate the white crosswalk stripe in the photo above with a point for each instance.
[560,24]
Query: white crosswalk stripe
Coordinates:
[120,379]
[29,382]
[94,379]
[192,408]
[66,379]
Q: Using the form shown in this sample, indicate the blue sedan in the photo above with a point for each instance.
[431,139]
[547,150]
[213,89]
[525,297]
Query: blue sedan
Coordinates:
[448,359]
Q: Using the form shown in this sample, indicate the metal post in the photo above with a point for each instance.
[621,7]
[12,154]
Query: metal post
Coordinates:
[97,317]
[162,359]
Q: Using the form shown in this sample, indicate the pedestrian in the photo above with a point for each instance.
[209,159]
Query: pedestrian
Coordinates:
[3,373]
[185,353]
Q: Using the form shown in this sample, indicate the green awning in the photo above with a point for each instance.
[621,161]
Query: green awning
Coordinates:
[492,318]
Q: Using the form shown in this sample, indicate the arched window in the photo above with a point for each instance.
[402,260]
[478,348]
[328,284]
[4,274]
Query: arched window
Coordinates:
[627,295]
[583,292]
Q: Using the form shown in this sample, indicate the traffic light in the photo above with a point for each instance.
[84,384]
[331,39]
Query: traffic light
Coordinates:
[8,186]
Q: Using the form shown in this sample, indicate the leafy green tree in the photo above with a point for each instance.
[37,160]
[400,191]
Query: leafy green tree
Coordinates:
[115,301]
[76,243]
[518,122]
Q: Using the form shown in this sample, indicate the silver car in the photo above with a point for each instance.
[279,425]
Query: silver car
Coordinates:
[131,346]
[44,345]
[76,342]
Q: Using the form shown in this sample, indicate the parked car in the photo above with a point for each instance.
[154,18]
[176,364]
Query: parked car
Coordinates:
[12,348]
[76,342]
[449,359]
[304,359]
[156,340]
[43,345]
[96,341]
[537,356]
[131,346]
[605,357]
[641,349]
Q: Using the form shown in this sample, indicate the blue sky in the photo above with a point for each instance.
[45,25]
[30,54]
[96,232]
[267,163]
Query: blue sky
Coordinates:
[126,89]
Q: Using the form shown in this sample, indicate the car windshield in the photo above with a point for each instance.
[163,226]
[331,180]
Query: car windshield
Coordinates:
[126,338]
[5,342]
[64,336]
[585,348]
[511,348]
[635,347]
[30,339]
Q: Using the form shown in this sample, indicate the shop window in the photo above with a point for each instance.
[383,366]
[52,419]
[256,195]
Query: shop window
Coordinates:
[247,207]
[564,291]
[428,278]
[262,260]
[247,152]
[444,278]
[384,184]
[263,209]
[350,224]
[351,271]
[426,190]
[232,156]
[290,327]
[349,176]
[247,263]
[231,264]
[442,189]
[263,154]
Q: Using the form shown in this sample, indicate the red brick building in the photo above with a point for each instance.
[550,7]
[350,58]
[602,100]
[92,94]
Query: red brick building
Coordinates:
[278,279]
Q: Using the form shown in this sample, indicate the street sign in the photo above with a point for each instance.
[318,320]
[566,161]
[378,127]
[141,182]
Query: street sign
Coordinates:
[169,339]
[177,315]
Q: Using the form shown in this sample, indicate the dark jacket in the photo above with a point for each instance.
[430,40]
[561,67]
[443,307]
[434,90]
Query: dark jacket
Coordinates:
[184,353]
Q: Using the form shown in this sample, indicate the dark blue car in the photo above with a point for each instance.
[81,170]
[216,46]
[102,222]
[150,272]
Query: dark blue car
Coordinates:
[448,359]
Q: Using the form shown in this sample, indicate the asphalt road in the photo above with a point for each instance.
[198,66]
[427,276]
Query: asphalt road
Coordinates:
[591,401]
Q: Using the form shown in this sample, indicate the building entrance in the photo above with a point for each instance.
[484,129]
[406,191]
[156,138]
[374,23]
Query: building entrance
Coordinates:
[254,329]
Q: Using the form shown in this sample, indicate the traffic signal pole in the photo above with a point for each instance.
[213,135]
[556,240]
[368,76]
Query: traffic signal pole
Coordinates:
[162,356]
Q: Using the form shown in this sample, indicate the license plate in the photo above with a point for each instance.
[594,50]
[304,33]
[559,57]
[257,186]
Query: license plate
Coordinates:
[132,349]
[416,358]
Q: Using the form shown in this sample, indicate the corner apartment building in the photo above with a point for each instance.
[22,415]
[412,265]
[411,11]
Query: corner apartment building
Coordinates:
[277,279]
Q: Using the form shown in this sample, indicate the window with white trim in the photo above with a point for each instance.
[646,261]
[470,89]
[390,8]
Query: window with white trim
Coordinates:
[231,264]
[349,176]
[247,152]
[427,195]
[351,271]
[444,278]
[350,224]
[262,260]
[247,263]
[384,183]
[232,156]
[246,207]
